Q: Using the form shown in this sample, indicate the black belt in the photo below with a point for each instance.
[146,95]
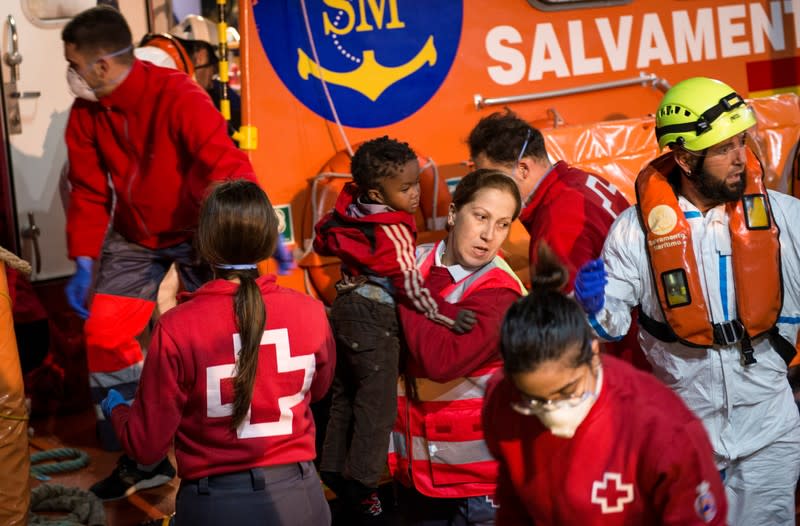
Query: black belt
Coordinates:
[257,478]
[254,477]
[725,333]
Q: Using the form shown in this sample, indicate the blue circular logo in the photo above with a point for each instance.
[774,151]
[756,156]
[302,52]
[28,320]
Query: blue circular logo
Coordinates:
[381,60]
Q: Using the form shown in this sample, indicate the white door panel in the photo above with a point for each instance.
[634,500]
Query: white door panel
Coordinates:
[38,153]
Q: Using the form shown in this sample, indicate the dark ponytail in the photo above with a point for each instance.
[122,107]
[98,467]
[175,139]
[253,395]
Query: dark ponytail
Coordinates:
[550,275]
[546,324]
[251,317]
[238,226]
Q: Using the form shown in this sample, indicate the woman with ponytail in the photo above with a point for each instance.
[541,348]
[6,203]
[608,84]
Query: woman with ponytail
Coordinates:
[587,439]
[229,375]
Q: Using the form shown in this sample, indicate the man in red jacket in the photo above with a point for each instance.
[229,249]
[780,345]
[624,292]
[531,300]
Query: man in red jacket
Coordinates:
[144,144]
[568,208]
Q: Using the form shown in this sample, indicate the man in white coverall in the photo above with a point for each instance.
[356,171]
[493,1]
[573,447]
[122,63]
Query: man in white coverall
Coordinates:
[713,260]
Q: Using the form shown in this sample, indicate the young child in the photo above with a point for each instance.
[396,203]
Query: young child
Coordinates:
[372,230]
[230,376]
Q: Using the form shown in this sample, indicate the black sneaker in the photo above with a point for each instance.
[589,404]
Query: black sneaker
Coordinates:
[370,511]
[127,479]
[371,505]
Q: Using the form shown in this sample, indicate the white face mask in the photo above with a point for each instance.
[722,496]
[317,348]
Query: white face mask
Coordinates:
[78,85]
[564,421]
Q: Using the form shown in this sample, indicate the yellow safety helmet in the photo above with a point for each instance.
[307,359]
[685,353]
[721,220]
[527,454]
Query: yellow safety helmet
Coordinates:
[700,112]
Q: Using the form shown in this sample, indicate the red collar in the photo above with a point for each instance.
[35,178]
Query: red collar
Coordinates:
[223,287]
[541,190]
[130,91]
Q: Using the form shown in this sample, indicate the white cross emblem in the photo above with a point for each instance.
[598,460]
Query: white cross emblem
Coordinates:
[611,494]
[285,363]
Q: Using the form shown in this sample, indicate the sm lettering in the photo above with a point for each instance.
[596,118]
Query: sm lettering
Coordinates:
[347,12]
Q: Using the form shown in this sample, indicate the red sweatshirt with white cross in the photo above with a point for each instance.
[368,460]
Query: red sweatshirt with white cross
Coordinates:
[640,457]
[572,211]
[186,388]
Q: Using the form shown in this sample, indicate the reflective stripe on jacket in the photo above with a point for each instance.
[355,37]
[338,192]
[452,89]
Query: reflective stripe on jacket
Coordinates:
[437,443]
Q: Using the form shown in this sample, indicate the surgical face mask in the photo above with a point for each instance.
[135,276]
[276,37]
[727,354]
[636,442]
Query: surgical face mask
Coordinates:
[564,419]
[78,85]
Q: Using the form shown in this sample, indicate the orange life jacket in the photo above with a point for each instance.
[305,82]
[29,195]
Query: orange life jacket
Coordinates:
[437,443]
[755,258]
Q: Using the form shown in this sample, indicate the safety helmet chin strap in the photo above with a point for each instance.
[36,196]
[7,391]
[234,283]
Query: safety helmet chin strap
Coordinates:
[703,123]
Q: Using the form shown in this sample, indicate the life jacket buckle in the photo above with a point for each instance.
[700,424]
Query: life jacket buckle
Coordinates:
[747,355]
[728,333]
[747,358]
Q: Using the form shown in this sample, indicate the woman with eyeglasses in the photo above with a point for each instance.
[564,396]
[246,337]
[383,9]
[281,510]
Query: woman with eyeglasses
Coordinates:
[584,438]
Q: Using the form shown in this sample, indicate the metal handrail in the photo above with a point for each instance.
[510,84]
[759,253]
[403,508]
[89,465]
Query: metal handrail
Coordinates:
[643,79]
[13,58]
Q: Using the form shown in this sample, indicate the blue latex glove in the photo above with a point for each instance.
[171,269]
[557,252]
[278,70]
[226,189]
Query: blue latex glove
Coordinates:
[112,400]
[284,258]
[78,287]
[590,286]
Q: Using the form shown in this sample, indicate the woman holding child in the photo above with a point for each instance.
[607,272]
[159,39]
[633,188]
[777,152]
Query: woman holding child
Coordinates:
[372,230]
[437,451]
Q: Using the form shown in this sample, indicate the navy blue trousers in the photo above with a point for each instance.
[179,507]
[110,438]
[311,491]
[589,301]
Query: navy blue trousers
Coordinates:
[289,495]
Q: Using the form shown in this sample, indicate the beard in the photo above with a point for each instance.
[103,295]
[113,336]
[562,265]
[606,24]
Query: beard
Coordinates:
[719,191]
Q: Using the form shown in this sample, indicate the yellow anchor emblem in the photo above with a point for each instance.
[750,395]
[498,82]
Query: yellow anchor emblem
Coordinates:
[371,78]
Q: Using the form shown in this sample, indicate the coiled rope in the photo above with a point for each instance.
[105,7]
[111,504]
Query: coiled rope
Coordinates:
[79,459]
[83,508]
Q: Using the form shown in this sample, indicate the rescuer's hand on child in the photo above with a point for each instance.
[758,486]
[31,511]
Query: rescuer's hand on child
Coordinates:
[465,320]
